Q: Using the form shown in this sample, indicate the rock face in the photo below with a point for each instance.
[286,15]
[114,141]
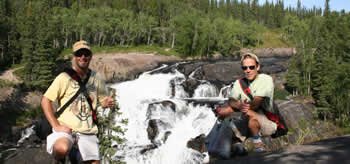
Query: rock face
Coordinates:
[116,67]
[223,72]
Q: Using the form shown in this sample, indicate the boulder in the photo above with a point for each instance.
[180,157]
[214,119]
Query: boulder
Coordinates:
[27,155]
[197,143]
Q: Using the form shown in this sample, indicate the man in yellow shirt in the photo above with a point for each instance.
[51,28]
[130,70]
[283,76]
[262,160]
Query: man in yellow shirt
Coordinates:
[77,118]
[261,86]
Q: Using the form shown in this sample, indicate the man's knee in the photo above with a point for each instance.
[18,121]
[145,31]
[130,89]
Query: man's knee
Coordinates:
[253,124]
[62,147]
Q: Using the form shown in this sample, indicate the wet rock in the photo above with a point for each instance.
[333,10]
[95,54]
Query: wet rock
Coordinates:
[152,130]
[190,85]
[148,148]
[197,143]
[222,72]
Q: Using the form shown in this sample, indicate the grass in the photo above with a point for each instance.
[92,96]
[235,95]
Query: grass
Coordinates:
[19,73]
[126,49]
[272,39]
[280,94]
[346,130]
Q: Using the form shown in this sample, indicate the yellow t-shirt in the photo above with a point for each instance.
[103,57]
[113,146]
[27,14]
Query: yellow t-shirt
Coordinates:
[77,115]
[262,86]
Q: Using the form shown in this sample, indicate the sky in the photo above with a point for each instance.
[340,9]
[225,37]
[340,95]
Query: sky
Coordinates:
[336,5]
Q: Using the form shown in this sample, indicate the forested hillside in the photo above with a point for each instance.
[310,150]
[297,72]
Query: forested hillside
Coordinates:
[34,32]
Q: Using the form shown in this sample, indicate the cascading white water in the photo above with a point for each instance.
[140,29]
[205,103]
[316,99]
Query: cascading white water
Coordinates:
[205,90]
[25,134]
[186,122]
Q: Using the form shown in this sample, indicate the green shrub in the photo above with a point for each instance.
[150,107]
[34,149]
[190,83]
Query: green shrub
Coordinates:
[5,83]
[280,94]
[31,114]
[110,133]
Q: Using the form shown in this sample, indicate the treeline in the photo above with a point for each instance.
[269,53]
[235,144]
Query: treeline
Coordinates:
[321,67]
[34,32]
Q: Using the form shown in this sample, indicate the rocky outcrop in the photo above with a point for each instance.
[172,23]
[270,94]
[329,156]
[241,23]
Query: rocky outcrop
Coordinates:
[224,72]
[155,111]
[116,67]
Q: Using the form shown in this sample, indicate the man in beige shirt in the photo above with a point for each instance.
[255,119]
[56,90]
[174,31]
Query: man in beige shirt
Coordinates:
[261,86]
[77,117]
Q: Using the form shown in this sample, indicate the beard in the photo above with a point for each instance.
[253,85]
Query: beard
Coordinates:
[83,64]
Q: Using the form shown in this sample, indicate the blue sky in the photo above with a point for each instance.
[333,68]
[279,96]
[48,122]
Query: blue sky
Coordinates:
[337,5]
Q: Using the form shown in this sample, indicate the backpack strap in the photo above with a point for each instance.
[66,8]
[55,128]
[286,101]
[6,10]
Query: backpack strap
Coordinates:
[82,85]
[82,88]
[273,117]
[243,82]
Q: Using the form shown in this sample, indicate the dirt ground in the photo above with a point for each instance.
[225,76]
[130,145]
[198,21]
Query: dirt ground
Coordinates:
[8,75]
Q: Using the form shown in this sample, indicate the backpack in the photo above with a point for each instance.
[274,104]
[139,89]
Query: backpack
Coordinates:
[43,128]
[282,128]
[219,140]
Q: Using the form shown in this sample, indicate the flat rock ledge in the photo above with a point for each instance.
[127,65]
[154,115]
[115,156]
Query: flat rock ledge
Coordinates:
[334,150]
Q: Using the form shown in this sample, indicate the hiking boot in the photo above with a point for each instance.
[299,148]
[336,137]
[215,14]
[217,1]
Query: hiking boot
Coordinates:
[259,147]
[239,150]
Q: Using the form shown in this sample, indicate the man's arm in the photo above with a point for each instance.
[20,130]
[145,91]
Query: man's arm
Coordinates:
[234,105]
[46,105]
[231,106]
[256,103]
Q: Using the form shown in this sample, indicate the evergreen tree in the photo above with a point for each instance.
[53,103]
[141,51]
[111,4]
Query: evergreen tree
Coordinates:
[27,28]
[45,53]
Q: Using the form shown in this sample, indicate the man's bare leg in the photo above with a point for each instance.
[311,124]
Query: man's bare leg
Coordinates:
[61,148]
[254,127]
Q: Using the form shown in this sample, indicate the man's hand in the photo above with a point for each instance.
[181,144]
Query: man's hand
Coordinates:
[109,101]
[62,128]
[244,108]
[224,111]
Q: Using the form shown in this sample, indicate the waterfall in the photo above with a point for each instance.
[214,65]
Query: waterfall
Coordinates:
[205,90]
[150,100]
[25,134]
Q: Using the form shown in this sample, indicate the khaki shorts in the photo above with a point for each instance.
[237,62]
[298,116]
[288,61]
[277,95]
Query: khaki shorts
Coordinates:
[88,144]
[267,127]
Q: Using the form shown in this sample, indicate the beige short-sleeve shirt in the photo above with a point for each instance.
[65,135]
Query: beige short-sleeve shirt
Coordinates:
[262,86]
[78,114]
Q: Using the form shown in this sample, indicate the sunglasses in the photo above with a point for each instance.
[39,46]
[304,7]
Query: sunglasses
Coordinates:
[81,53]
[252,67]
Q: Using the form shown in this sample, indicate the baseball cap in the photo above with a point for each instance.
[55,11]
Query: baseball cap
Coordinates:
[251,55]
[82,44]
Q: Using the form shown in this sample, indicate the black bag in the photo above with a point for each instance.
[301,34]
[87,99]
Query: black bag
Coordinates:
[42,127]
[219,140]
[282,128]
